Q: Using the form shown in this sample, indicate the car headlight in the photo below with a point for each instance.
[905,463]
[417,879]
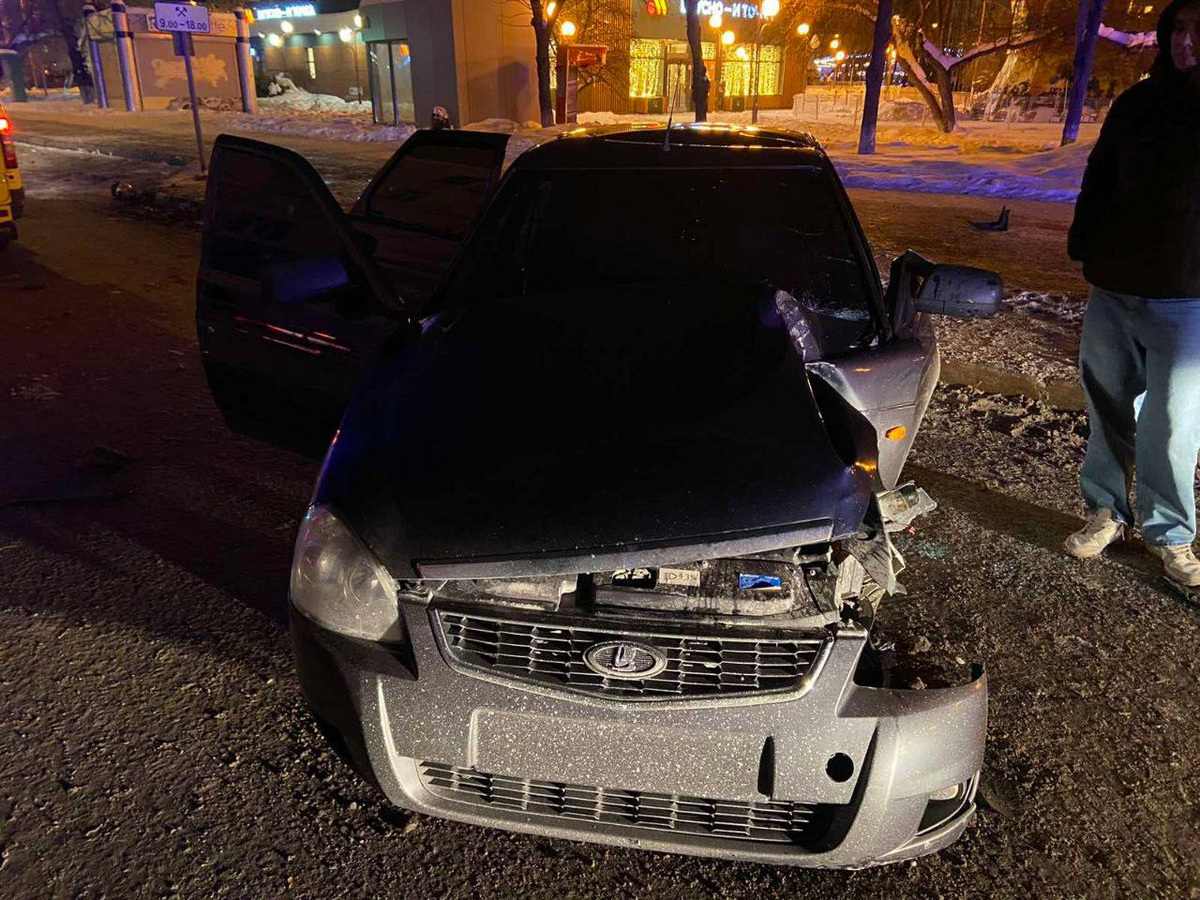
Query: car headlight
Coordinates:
[338,583]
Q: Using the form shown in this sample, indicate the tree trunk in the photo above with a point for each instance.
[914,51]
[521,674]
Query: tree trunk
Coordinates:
[883,34]
[541,33]
[699,73]
[1086,32]
[946,99]
[917,77]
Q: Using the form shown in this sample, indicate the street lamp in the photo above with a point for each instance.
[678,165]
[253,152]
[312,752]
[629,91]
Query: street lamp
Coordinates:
[769,10]
[724,39]
[347,36]
[806,47]
[567,30]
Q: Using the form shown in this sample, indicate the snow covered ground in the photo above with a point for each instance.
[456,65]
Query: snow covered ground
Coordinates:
[991,159]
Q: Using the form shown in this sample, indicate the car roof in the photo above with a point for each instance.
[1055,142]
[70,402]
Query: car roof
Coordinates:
[692,144]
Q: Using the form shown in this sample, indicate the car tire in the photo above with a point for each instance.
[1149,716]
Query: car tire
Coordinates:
[4,242]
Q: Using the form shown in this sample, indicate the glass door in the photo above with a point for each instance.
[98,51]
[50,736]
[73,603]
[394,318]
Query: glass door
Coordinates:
[679,87]
[390,67]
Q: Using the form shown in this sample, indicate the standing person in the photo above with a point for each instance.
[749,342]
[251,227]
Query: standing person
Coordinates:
[1137,233]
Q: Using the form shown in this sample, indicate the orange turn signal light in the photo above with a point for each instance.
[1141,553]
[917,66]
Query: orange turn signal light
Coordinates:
[896,433]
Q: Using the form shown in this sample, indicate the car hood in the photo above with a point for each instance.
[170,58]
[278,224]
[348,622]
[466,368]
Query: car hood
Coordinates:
[586,431]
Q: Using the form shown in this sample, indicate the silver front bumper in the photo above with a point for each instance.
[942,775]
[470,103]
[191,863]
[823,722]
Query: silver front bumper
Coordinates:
[750,755]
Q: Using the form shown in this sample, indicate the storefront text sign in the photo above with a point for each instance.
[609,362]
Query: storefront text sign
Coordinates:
[291,11]
[708,8]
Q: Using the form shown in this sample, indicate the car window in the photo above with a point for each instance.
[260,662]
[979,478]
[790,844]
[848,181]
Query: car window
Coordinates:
[565,229]
[438,189]
[262,213]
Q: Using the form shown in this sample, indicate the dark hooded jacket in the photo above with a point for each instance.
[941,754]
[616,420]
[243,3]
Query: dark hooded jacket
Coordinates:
[1137,219]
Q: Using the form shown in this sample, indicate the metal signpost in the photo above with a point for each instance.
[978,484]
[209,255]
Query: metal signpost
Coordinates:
[183,21]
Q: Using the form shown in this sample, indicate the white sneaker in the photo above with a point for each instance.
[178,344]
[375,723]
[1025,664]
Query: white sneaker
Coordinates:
[1102,529]
[1179,563]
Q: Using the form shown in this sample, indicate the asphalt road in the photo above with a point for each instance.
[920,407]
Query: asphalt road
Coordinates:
[154,743]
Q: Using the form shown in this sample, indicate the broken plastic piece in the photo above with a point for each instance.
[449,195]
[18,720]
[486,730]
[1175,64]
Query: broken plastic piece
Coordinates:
[803,327]
[900,507]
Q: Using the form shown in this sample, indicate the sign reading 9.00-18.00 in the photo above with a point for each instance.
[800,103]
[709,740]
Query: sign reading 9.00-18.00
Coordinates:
[181,17]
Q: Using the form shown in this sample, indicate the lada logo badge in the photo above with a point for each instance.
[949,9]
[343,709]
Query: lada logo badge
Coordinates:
[625,659]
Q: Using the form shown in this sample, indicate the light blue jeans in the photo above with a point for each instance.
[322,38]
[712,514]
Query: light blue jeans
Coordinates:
[1139,361]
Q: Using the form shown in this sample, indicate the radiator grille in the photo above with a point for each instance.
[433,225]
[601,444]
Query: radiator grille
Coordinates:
[767,821]
[696,665]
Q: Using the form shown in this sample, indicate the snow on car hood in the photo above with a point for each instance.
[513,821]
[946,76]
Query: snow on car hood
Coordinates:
[565,432]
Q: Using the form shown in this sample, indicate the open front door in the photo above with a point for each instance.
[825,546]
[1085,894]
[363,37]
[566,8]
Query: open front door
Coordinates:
[295,299]
[290,311]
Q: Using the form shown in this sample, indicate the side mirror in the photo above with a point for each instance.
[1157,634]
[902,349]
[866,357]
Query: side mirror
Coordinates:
[305,280]
[961,291]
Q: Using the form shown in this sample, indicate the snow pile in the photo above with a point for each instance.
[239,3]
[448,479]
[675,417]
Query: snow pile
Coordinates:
[355,127]
[284,94]
[989,159]
[1042,176]
[300,100]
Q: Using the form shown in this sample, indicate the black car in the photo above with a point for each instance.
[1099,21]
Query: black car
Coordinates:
[614,444]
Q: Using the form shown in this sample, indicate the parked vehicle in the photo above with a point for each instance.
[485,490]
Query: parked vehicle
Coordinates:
[12,193]
[597,543]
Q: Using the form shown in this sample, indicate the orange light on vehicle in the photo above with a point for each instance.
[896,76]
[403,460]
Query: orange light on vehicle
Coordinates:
[5,124]
[896,433]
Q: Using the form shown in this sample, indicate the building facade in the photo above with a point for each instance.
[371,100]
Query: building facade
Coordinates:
[472,57]
[735,56]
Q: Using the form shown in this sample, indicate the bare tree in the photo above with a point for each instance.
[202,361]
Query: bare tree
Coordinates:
[931,68]
[22,22]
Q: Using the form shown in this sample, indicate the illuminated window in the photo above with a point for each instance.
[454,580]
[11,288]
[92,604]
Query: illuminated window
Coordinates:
[770,65]
[737,71]
[646,68]
[312,62]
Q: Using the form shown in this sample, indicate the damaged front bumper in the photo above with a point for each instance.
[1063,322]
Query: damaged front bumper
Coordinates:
[829,773]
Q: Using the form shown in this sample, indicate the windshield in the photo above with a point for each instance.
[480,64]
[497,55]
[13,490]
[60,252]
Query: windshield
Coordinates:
[566,229]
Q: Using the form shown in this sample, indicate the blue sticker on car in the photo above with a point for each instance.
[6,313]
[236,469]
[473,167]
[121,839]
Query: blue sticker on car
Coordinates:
[759,582]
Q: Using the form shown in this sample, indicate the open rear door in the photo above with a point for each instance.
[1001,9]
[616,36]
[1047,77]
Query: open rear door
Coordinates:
[291,313]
